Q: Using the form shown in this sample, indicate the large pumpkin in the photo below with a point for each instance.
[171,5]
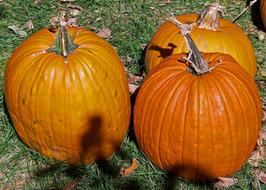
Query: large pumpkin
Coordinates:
[210,33]
[198,123]
[67,95]
[263,11]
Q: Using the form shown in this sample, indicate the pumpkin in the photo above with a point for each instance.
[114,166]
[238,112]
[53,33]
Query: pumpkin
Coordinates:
[210,33]
[67,95]
[263,11]
[198,120]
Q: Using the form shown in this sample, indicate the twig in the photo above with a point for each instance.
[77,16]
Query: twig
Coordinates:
[245,9]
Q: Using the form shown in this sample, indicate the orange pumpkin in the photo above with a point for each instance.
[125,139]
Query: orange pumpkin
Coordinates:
[67,95]
[198,123]
[210,33]
[263,11]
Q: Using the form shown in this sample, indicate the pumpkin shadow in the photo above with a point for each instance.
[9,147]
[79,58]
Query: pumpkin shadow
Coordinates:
[164,52]
[255,15]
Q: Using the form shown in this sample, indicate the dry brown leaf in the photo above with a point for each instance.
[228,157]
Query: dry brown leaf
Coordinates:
[224,182]
[74,12]
[72,22]
[133,79]
[257,156]
[263,104]
[17,184]
[104,33]
[66,1]
[71,185]
[165,1]
[54,21]
[255,184]
[143,46]
[74,9]
[263,134]
[37,1]
[18,31]
[126,171]
[132,88]
[261,176]
[28,25]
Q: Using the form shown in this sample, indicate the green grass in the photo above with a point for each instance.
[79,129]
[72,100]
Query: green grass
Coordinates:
[132,23]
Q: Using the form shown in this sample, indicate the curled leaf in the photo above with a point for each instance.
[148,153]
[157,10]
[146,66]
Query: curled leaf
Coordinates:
[224,182]
[259,154]
[126,171]
[261,176]
[71,185]
[67,1]
[74,9]
[28,25]
[72,22]
[132,88]
[18,31]
[104,33]
[263,134]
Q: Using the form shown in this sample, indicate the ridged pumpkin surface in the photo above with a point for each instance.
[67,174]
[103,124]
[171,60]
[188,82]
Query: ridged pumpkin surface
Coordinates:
[228,39]
[74,109]
[198,127]
[263,12]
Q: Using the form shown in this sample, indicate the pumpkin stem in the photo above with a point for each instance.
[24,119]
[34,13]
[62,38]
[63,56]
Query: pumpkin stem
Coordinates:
[64,43]
[196,62]
[209,17]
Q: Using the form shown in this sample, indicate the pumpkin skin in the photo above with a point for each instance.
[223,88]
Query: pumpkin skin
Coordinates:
[198,127]
[75,109]
[263,11]
[227,38]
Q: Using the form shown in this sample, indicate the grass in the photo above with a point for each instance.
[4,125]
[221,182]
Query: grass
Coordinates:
[132,23]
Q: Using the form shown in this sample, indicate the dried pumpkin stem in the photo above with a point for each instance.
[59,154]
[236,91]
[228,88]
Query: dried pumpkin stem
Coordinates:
[209,17]
[196,62]
[64,43]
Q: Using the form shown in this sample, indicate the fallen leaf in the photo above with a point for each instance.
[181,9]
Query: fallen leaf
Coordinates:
[54,21]
[262,72]
[255,184]
[261,176]
[18,31]
[71,185]
[133,79]
[28,25]
[261,35]
[37,1]
[66,0]
[165,1]
[257,156]
[104,33]
[74,12]
[224,182]
[143,46]
[132,88]
[74,9]
[263,134]
[16,184]
[126,171]
[72,22]
[263,108]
